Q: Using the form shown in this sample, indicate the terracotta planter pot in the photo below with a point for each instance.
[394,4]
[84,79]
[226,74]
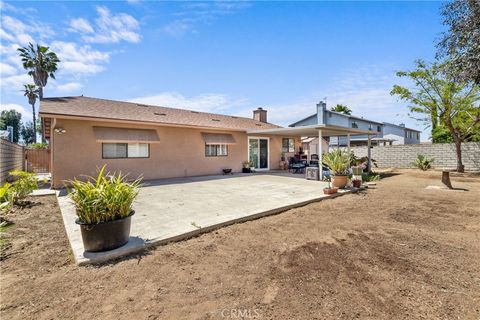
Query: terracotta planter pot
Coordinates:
[330,190]
[339,181]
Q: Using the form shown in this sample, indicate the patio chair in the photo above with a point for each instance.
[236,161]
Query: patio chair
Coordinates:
[314,160]
[295,165]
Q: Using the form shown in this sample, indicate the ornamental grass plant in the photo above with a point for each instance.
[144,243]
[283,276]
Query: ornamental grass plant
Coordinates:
[107,197]
[337,161]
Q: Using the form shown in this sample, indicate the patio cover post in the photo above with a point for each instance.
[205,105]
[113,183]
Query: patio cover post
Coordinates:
[320,154]
[369,153]
[348,143]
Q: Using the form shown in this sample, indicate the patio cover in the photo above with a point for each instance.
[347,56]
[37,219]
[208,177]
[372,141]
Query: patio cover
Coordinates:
[218,138]
[313,130]
[320,131]
[125,135]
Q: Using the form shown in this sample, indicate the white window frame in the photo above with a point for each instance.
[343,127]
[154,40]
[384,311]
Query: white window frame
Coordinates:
[217,146]
[126,155]
[268,151]
[288,151]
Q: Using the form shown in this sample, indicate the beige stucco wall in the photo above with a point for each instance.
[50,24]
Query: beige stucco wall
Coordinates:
[180,153]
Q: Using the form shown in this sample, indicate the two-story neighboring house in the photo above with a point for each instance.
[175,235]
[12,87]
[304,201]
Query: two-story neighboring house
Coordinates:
[324,116]
[400,134]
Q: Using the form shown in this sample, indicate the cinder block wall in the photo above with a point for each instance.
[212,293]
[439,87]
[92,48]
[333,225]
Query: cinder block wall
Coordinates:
[11,158]
[401,156]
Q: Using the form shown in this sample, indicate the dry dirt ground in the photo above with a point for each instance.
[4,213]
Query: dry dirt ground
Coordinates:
[399,251]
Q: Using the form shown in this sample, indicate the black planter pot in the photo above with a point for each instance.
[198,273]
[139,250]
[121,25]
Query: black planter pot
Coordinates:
[105,236]
[246,170]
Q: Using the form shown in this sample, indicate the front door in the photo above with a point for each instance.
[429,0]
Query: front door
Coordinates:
[258,153]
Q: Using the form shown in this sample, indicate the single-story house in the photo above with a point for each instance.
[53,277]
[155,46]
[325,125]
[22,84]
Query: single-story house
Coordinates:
[155,142]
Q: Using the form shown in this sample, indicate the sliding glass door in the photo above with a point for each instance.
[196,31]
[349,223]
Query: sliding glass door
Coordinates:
[258,153]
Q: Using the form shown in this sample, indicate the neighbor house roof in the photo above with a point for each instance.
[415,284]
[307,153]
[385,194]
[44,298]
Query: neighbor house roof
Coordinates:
[103,109]
[399,126]
[340,114]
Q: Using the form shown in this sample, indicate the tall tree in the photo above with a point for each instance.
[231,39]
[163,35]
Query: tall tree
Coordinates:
[444,100]
[342,109]
[461,43]
[11,118]
[31,92]
[40,63]
[28,133]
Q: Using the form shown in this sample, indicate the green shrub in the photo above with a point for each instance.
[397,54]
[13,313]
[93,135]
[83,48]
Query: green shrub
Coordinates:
[337,161]
[6,197]
[39,145]
[371,176]
[422,162]
[24,184]
[3,227]
[107,197]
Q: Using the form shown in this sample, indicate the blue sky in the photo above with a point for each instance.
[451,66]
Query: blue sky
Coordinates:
[225,57]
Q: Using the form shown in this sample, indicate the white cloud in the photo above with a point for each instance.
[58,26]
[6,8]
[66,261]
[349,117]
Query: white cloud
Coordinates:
[79,60]
[24,32]
[80,25]
[7,70]
[26,114]
[178,28]
[8,7]
[16,82]
[210,102]
[10,54]
[13,29]
[195,13]
[365,90]
[69,87]
[109,28]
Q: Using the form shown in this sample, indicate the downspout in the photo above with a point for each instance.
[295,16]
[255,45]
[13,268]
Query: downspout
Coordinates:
[52,134]
[369,154]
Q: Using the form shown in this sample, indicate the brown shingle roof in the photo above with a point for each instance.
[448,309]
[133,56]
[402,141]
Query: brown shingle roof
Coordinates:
[129,111]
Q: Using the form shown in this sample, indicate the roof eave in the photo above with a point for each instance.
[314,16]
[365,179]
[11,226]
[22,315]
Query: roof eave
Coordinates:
[151,123]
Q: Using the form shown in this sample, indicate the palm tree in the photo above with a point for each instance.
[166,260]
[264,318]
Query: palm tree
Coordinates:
[342,109]
[31,92]
[40,63]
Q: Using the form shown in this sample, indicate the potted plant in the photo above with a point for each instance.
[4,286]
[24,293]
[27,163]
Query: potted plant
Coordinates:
[357,183]
[337,161]
[357,170]
[282,164]
[329,189]
[246,166]
[104,209]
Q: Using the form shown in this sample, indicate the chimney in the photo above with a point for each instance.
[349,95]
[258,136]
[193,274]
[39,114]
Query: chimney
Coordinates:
[402,125]
[321,108]
[260,115]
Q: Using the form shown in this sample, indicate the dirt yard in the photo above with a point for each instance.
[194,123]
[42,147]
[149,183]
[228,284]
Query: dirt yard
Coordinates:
[399,251]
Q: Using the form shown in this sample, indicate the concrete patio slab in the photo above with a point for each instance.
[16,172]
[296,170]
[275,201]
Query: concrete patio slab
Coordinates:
[42,192]
[175,209]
